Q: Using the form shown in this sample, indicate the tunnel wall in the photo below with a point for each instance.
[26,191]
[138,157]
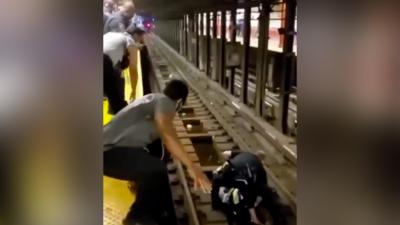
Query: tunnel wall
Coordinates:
[168,30]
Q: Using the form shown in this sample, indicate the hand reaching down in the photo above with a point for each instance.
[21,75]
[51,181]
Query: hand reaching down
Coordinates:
[200,179]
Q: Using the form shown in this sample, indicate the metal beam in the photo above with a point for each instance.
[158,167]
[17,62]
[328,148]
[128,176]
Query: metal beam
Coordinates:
[262,57]
[208,44]
[222,72]
[201,41]
[233,40]
[196,30]
[201,24]
[177,36]
[229,6]
[215,43]
[187,36]
[246,53]
[214,27]
[191,28]
[290,14]
[180,35]
[183,36]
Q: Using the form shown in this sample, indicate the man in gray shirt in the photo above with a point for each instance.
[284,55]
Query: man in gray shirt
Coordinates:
[127,157]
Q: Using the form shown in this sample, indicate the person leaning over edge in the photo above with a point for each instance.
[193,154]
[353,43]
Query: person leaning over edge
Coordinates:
[126,157]
[115,60]
[138,35]
[121,51]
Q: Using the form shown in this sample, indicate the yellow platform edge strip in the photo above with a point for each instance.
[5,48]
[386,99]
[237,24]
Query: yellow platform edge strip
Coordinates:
[116,196]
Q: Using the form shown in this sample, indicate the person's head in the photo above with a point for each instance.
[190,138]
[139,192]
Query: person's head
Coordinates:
[137,34]
[177,90]
[128,9]
[109,6]
[228,154]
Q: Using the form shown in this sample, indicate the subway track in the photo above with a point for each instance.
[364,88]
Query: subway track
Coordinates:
[207,126]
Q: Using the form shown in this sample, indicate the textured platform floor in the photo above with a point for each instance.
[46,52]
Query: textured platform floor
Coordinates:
[116,196]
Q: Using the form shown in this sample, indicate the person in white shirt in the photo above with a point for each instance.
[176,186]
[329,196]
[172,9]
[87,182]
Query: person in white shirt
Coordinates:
[117,49]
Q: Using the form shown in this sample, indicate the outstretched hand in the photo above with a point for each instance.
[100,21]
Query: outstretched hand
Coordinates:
[200,179]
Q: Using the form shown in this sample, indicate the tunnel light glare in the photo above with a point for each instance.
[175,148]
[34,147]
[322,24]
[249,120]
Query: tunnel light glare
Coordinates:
[236,105]
[288,149]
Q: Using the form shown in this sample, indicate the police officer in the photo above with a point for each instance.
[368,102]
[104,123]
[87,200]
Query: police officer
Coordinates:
[127,155]
[240,187]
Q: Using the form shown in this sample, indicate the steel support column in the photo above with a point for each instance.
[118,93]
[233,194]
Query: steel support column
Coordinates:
[290,12]
[222,75]
[246,53]
[262,57]
[214,72]
[191,36]
[214,31]
[201,24]
[177,34]
[180,35]
[196,33]
[201,50]
[208,44]
[185,36]
[233,40]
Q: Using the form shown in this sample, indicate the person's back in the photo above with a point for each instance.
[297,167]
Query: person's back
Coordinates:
[134,125]
[248,166]
[240,185]
[115,45]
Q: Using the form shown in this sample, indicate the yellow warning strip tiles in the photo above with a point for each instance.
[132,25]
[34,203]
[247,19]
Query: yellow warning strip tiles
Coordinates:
[117,198]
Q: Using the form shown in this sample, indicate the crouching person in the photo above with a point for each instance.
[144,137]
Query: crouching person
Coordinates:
[240,191]
[133,151]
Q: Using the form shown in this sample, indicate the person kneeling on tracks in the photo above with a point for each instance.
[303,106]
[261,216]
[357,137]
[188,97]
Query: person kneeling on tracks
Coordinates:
[127,155]
[240,190]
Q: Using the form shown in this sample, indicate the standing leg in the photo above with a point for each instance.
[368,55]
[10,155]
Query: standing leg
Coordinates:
[112,86]
[154,200]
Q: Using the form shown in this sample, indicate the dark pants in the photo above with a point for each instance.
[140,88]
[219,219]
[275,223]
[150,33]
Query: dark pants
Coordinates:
[146,70]
[113,86]
[235,214]
[242,217]
[154,202]
[238,214]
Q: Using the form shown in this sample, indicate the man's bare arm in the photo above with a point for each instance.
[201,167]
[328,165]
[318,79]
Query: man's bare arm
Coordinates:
[133,70]
[168,134]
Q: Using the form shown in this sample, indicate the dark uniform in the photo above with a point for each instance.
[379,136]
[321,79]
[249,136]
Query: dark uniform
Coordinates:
[238,184]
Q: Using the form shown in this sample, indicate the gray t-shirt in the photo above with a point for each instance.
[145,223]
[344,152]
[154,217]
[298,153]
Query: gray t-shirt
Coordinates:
[134,125]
